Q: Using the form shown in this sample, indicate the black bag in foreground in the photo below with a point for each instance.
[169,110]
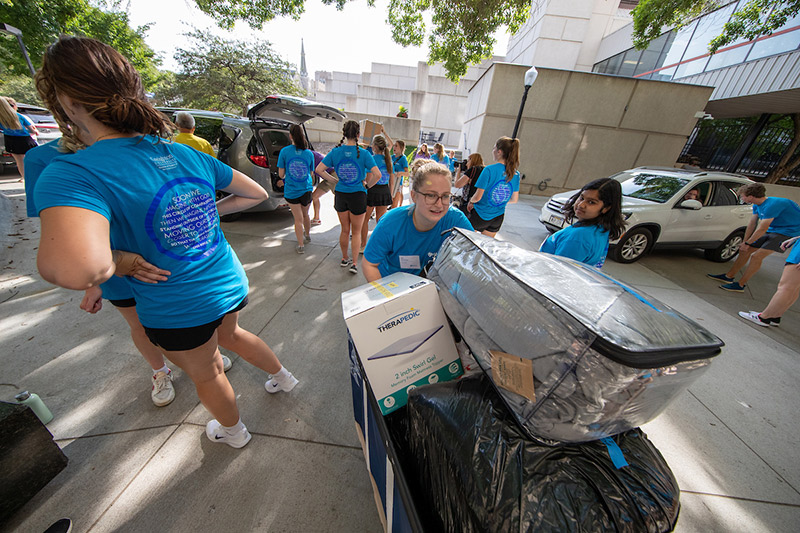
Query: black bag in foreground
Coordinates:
[475,470]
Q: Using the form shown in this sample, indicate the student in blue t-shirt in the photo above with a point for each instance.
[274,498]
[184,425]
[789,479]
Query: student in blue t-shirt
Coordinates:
[399,168]
[408,238]
[439,157]
[379,197]
[787,293]
[350,195]
[17,130]
[598,208]
[497,186]
[295,165]
[155,199]
[116,290]
[774,220]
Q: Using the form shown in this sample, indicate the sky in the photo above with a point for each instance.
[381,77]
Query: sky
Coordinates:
[347,41]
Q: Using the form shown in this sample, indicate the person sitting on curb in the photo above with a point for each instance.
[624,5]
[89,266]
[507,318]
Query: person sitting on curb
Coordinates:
[787,293]
[774,220]
[185,123]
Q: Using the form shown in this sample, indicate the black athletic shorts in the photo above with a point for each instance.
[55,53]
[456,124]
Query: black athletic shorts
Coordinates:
[355,202]
[771,241]
[379,196]
[181,339]
[127,302]
[485,225]
[19,144]
[302,200]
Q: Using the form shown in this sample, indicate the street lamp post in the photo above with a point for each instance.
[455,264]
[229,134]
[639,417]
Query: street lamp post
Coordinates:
[530,77]
[8,28]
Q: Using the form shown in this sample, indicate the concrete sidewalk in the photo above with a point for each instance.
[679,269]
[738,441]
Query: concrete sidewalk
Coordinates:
[731,439]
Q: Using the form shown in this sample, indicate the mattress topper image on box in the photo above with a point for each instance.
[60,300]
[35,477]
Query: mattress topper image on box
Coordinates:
[406,345]
[575,354]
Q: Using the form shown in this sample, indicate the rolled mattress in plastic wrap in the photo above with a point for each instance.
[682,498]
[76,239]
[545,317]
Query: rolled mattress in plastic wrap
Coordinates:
[604,358]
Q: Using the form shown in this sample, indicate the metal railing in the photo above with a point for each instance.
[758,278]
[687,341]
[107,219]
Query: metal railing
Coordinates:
[713,144]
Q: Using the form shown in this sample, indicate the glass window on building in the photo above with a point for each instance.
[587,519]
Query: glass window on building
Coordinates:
[649,59]
[708,27]
[666,74]
[610,65]
[778,44]
[675,51]
[629,62]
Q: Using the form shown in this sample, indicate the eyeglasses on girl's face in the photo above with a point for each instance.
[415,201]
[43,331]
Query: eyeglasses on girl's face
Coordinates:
[431,198]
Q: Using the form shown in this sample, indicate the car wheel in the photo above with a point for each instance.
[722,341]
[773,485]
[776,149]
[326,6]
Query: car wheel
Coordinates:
[633,245]
[727,250]
[233,217]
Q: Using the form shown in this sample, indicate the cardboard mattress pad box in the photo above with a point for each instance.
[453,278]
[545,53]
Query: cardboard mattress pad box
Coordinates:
[369,130]
[402,336]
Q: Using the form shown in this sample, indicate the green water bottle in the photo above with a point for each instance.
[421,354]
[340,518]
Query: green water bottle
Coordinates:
[36,404]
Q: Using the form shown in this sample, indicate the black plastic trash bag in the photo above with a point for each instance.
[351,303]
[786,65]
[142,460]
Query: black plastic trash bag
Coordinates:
[472,469]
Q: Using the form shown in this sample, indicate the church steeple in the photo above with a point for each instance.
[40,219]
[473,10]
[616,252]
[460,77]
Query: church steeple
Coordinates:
[303,71]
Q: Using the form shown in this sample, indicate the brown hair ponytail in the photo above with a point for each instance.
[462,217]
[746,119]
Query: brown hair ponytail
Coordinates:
[351,130]
[380,142]
[298,139]
[100,79]
[510,149]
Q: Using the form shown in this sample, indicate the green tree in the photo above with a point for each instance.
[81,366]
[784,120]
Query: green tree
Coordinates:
[228,75]
[42,21]
[20,88]
[753,19]
[461,33]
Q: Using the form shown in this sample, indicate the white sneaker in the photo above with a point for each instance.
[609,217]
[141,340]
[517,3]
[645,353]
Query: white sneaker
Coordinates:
[226,363]
[755,318]
[162,392]
[215,433]
[286,384]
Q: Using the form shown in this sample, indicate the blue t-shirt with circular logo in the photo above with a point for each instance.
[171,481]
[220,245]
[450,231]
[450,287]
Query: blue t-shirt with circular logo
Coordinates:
[380,162]
[351,164]
[159,199]
[496,191]
[298,166]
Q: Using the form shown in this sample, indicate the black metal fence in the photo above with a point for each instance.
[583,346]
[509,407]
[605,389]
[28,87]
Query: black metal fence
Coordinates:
[714,143]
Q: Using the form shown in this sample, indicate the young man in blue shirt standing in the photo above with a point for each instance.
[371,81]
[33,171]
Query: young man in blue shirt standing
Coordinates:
[774,220]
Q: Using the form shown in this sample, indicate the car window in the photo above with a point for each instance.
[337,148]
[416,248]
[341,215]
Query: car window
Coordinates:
[208,128]
[653,187]
[274,141]
[227,135]
[724,193]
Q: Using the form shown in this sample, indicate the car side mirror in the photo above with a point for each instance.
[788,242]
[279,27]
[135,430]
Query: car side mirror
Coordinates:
[691,204]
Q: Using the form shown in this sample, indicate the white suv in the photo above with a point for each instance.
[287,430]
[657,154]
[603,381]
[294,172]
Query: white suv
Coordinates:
[657,214]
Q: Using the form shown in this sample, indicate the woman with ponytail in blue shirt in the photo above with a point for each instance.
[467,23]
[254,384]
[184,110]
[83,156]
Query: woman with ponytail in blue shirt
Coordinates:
[379,196]
[295,165]
[497,186]
[351,165]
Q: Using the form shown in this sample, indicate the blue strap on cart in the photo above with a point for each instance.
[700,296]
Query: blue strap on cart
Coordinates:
[614,452]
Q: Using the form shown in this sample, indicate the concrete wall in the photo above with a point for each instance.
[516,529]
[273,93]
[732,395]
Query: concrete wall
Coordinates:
[784,191]
[434,102]
[565,33]
[578,126]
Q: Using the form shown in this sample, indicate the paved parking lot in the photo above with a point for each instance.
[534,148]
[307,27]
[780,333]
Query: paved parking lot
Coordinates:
[731,439]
